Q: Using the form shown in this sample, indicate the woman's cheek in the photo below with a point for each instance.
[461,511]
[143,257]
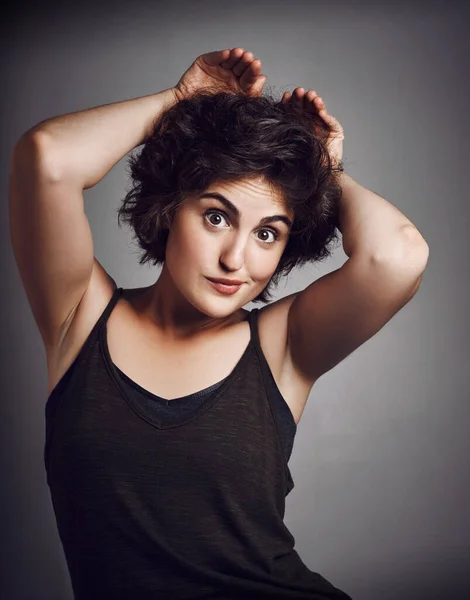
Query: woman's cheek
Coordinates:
[263,266]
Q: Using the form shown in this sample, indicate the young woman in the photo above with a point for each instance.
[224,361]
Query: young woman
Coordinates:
[172,410]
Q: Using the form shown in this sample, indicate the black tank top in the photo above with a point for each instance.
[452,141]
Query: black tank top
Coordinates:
[181,499]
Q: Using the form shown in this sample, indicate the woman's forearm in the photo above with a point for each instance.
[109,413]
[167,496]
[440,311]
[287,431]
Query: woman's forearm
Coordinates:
[370,224]
[83,146]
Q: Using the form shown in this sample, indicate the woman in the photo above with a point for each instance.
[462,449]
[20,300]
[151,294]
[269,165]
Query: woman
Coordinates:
[172,410]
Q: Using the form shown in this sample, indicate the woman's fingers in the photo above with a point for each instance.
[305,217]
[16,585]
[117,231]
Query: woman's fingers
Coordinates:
[240,61]
[249,77]
[308,100]
[216,58]
[244,62]
[311,96]
[234,57]
[257,88]
[311,101]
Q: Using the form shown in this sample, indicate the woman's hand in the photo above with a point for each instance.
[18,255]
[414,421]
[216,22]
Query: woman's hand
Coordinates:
[233,71]
[312,102]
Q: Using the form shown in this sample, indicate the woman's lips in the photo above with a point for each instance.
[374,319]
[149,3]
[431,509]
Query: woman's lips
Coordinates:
[224,288]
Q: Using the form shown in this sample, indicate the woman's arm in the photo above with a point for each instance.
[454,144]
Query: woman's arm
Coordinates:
[340,311]
[84,146]
[53,162]
[371,225]
[51,237]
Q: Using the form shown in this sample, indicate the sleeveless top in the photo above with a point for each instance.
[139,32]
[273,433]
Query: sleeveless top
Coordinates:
[180,499]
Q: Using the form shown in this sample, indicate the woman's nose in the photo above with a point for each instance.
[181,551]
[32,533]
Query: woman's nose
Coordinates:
[233,255]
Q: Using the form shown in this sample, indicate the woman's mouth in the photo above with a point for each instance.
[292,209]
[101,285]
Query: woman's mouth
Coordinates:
[224,288]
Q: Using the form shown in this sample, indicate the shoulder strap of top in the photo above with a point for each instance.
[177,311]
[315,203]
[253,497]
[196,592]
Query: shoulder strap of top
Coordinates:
[105,315]
[253,320]
[265,369]
[111,304]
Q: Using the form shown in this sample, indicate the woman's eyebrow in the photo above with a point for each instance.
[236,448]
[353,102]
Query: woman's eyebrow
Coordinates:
[232,208]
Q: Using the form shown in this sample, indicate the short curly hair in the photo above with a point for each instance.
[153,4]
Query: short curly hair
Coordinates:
[226,137]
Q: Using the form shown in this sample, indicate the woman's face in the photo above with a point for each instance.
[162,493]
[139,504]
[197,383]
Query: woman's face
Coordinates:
[213,238]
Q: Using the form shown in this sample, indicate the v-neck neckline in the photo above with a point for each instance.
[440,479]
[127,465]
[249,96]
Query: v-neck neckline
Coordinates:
[148,413]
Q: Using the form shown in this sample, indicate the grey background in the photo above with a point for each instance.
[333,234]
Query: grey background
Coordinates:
[381,505]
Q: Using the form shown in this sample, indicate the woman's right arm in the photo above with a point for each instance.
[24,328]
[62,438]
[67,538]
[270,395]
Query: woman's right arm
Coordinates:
[57,159]
[84,146]
[50,167]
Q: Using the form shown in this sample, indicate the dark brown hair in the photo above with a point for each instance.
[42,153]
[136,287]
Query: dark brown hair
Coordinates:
[227,137]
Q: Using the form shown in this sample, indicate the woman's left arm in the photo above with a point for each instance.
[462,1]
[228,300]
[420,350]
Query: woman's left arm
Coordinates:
[341,310]
[371,225]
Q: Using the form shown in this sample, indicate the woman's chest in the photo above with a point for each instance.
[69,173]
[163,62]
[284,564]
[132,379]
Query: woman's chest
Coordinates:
[173,370]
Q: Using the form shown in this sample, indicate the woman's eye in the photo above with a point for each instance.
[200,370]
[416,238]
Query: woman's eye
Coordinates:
[264,231]
[214,216]
[211,214]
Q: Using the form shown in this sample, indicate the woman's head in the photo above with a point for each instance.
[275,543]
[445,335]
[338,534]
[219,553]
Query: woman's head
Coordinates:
[265,157]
